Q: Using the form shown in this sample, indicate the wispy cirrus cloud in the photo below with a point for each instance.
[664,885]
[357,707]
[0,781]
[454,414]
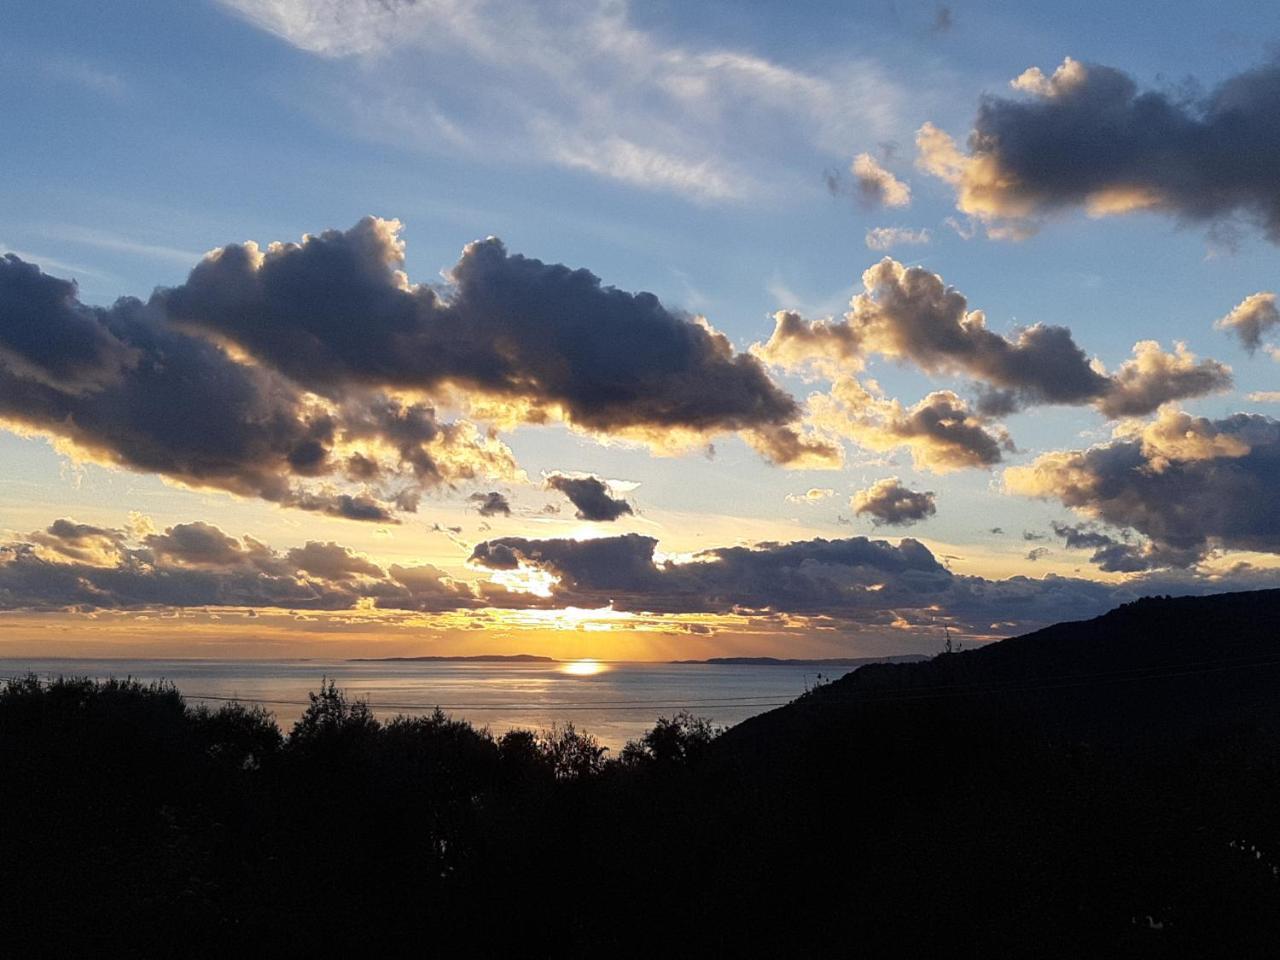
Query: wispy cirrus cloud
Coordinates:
[579,85]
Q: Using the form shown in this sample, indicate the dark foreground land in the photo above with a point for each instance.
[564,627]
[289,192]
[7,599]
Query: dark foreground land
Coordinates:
[1099,789]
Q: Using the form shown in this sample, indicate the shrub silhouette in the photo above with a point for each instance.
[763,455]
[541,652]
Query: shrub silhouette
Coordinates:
[682,738]
[571,755]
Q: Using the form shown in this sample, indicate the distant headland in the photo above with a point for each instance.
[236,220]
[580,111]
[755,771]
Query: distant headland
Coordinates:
[478,658]
[821,662]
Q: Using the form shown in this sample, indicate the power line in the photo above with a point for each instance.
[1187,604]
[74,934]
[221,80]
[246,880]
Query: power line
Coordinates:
[666,703]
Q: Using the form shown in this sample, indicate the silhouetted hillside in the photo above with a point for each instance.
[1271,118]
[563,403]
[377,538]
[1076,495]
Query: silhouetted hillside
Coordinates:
[1108,788]
[1186,660]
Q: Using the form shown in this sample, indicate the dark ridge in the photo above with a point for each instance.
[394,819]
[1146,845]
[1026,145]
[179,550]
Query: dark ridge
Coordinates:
[1103,674]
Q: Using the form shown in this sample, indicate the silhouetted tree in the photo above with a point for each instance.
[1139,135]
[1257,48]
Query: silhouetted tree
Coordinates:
[572,755]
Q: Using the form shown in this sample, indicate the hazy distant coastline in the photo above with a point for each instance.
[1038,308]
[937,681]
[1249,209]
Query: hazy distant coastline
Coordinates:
[713,661]
[478,658]
[821,662]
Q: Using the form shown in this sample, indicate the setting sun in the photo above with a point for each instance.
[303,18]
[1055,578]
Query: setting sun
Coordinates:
[583,668]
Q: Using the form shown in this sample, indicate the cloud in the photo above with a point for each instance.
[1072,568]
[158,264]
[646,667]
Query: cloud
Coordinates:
[876,186]
[1087,137]
[590,496]
[909,313]
[1265,396]
[198,565]
[577,85]
[1251,319]
[308,374]
[1109,553]
[1153,378]
[491,504]
[333,562]
[812,495]
[65,539]
[941,431]
[844,583]
[1036,553]
[336,312]
[801,577]
[855,580]
[125,387]
[1186,484]
[886,238]
[889,503]
[201,544]
[48,336]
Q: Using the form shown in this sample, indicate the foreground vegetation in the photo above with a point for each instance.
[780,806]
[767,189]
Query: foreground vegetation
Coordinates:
[1108,789]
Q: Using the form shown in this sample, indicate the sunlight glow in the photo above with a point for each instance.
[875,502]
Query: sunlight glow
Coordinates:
[583,668]
[526,580]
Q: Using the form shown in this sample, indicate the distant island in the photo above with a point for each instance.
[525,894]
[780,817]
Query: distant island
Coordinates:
[478,658]
[821,662]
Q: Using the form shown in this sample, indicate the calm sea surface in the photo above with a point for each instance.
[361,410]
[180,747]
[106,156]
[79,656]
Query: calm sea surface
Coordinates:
[616,704]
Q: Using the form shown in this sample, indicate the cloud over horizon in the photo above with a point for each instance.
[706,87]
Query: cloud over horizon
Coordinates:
[72,567]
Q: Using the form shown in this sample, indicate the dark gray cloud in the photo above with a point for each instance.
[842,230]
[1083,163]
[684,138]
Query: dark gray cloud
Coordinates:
[1088,136]
[79,541]
[1187,485]
[909,313]
[79,567]
[335,311]
[202,544]
[854,582]
[491,504]
[889,503]
[1035,553]
[331,561]
[1154,377]
[48,336]
[334,330]
[136,392]
[870,582]
[810,576]
[590,496]
[1108,552]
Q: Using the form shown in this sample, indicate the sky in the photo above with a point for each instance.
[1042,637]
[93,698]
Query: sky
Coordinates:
[592,329]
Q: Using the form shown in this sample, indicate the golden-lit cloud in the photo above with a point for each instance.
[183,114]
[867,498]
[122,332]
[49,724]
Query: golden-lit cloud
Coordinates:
[1085,136]
[1188,485]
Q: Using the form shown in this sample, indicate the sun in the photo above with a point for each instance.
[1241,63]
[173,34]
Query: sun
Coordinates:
[583,668]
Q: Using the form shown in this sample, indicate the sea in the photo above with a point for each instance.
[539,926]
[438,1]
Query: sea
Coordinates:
[614,701]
